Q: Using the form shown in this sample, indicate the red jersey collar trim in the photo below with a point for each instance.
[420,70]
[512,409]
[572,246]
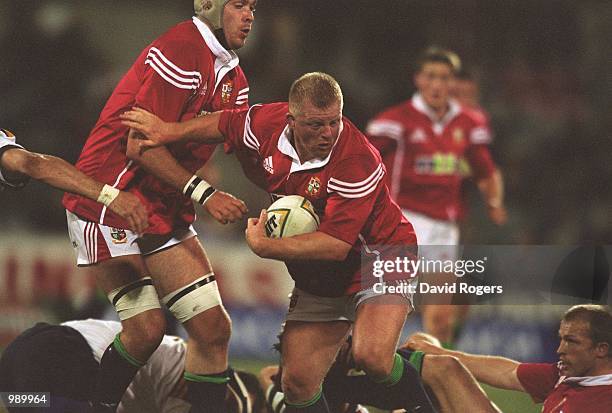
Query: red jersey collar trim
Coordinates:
[284,146]
[227,57]
[453,111]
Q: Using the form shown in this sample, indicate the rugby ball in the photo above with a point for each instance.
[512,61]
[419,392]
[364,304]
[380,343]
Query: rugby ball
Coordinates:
[291,215]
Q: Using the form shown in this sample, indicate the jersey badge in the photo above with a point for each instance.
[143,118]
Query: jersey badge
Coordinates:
[226,91]
[314,186]
[118,235]
[418,136]
[267,164]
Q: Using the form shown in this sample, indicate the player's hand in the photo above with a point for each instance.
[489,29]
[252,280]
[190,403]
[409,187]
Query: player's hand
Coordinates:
[498,215]
[129,207]
[255,232]
[426,343]
[267,376]
[156,131]
[225,207]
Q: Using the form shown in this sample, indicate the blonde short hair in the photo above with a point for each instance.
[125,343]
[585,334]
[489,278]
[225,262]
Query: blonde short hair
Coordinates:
[317,88]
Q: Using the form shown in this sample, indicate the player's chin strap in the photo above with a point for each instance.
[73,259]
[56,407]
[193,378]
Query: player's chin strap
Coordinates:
[239,391]
[199,190]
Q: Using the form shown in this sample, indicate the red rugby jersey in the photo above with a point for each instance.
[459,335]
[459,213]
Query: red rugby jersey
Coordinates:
[566,394]
[347,190]
[184,73]
[423,156]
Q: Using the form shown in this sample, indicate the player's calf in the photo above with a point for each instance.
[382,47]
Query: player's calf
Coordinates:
[198,306]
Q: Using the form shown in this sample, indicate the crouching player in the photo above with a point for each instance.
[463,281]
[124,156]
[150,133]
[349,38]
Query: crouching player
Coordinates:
[63,360]
[306,147]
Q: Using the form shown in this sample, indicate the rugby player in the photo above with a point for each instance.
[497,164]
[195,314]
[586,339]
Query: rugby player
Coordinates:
[580,382]
[188,71]
[422,142]
[306,147]
[63,360]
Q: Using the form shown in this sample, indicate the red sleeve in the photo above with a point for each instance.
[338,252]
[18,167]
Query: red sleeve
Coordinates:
[171,76]
[480,161]
[385,134]
[538,379]
[235,125]
[353,186]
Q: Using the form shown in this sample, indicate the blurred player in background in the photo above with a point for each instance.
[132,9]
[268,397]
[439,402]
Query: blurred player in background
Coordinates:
[422,141]
[18,165]
[307,147]
[580,382]
[64,361]
[187,72]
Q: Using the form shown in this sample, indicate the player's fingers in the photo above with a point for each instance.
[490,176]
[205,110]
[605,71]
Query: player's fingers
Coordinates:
[263,215]
[131,124]
[241,206]
[252,222]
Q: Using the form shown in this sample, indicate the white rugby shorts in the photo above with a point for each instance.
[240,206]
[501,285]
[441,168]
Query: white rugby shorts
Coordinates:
[93,242]
[437,239]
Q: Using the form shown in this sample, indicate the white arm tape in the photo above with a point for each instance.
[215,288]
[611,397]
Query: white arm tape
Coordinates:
[108,195]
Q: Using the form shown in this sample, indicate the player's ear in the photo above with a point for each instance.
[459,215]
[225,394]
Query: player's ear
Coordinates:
[290,120]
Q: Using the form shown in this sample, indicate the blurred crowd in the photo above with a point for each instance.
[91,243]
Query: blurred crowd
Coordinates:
[542,67]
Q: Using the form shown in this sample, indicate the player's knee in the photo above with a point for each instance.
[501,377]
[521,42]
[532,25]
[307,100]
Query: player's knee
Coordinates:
[298,386]
[211,328]
[374,361]
[437,369]
[147,328]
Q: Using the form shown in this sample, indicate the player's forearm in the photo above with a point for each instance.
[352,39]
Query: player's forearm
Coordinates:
[495,371]
[492,189]
[314,246]
[53,171]
[204,129]
[160,163]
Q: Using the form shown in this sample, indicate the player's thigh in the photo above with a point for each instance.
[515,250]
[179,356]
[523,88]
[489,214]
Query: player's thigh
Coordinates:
[178,265]
[309,349]
[119,271]
[378,326]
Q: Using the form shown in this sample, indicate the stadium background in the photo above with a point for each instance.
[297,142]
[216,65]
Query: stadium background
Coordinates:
[544,72]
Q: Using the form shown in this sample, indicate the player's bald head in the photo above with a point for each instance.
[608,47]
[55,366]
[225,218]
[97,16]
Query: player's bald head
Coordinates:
[319,89]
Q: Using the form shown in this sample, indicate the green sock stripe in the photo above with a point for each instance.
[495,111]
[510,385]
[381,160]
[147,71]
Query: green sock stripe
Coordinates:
[397,371]
[124,353]
[416,359]
[307,403]
[202,378]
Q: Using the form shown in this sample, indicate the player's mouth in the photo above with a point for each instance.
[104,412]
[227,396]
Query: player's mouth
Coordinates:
[245,32]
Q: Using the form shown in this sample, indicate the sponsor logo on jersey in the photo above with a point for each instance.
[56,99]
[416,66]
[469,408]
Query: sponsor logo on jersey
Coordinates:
[226,91]
[314,186]
[418,135]
[458,135]
[267,164]
[437,164]
[118,235]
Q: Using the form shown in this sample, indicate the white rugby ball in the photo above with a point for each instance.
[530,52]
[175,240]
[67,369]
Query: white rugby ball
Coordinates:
[291,215]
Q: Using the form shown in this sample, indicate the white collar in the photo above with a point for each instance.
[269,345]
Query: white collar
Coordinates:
[226,60]
[285,146]
[603,380]
[453,110]
[226,56]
